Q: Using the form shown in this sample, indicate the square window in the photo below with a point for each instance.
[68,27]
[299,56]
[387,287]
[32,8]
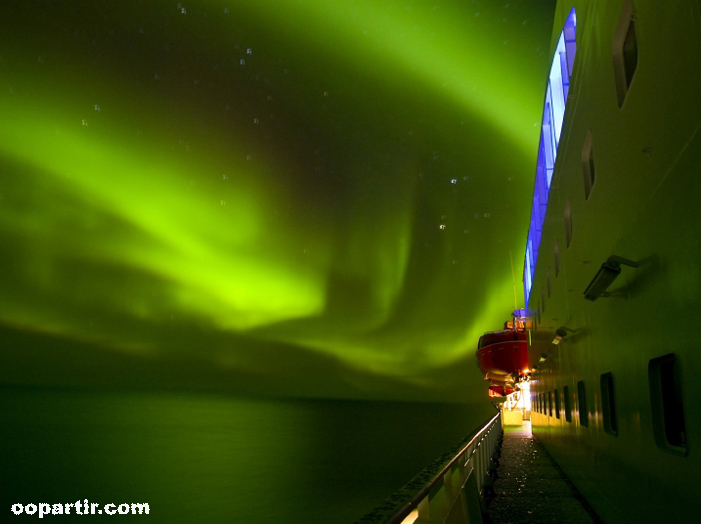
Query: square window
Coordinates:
[582,401]
[608,404]
[568,403]
[668,420]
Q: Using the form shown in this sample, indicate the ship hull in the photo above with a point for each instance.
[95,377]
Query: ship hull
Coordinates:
[613,400]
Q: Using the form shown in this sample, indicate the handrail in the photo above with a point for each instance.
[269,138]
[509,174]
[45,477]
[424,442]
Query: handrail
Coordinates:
[404,511]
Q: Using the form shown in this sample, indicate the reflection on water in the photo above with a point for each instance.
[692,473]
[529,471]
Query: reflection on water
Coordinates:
[205,458]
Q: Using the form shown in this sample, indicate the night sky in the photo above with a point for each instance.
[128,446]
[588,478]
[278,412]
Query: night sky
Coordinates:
[298,198]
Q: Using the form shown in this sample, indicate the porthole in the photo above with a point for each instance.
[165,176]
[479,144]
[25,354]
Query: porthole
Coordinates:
[568,223]
[568,403]
[582,403]
[667,404]
[630,53]
[588,166]
[542,300]
[625,51]
[608,404]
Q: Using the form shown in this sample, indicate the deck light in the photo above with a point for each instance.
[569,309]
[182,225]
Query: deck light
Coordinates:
[608,272]
[560,333]
[411,517]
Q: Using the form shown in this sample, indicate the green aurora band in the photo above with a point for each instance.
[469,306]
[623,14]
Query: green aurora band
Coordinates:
[298,198]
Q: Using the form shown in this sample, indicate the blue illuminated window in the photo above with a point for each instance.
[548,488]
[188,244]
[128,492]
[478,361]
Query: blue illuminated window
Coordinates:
[551,127]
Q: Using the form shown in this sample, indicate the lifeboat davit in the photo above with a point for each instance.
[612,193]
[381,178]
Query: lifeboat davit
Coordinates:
[503,355]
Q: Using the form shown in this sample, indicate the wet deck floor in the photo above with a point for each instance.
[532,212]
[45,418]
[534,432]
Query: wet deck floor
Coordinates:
[530,488]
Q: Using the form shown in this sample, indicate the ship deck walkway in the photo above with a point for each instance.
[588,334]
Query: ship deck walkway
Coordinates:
[530,488]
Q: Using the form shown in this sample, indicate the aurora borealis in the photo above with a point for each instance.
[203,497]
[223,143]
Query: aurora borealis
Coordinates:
[316,198]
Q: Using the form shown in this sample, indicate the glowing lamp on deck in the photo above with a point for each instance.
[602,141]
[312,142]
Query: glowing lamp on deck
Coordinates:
[560,334]
[608,272]
[411,517]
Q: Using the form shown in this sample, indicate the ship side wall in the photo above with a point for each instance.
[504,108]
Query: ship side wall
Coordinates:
[645,206]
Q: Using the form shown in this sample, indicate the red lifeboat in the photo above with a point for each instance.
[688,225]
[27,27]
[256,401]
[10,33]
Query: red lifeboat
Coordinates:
[500,390]
[503,355]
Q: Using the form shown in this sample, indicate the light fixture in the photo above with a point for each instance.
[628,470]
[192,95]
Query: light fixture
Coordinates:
[543,357]
[560,333]
[607,273]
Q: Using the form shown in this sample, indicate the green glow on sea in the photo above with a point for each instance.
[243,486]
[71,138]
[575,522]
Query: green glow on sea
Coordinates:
[285,197]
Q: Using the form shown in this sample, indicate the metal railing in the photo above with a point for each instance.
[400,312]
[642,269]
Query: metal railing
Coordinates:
[456,491]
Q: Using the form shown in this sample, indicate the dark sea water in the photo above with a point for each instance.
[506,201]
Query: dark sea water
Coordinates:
[208,458]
